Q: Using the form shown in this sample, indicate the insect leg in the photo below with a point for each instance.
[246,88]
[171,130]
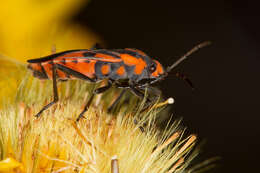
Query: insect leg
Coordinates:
[157,93]
[137,92]
[97,91]
[124,86]
[140,94]
[133,88]
[150,103]
[55,91]
[104,88]
[116,101]
[80,76]
[86,107]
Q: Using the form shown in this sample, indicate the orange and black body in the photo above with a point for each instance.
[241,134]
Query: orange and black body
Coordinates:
[125,68]
[95,65]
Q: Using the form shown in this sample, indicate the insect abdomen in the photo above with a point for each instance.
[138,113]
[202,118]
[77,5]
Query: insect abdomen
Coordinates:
[44,71]
[38,70]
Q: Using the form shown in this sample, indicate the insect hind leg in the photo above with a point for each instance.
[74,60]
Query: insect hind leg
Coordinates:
[55,91]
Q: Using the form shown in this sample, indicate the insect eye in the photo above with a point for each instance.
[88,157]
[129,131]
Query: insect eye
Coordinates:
[152,68]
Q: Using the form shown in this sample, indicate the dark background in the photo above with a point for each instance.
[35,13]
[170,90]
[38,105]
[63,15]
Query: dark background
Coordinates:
[224,107]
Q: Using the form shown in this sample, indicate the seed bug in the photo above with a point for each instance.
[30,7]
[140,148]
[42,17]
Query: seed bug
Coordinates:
[125,68]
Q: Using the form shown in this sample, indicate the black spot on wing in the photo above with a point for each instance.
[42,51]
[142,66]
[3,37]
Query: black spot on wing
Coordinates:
[51,57]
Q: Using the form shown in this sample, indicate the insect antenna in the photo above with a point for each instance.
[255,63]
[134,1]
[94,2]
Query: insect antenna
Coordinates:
[194,49]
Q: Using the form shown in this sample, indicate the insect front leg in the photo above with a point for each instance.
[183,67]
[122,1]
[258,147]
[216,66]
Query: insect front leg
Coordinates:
[124,86]
[155,92]
[139,92]
[151,100]
[55,91]
[156,95]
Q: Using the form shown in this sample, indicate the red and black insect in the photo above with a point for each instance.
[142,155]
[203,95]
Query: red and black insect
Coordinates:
[125,68]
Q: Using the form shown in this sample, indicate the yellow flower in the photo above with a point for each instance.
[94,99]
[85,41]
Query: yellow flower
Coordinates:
[54,142]
[100,143]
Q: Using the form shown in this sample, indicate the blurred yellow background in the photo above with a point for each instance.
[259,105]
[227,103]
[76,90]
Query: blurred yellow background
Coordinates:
[29,28]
